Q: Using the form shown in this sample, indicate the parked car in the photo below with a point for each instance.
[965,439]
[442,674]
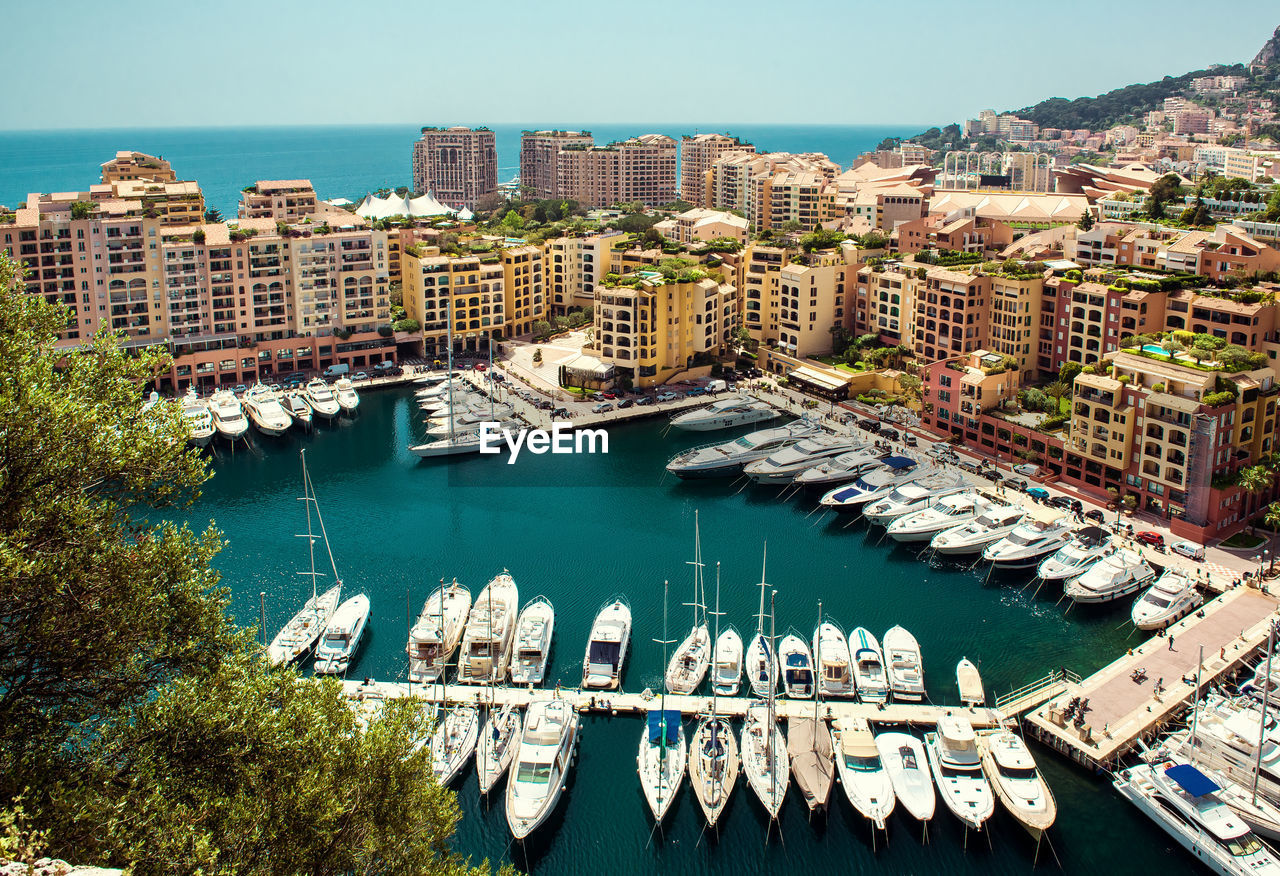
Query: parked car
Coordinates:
[1095,515]
[972,467]
[870,425]
[1016,484]
[1188,549]
[667,396]
[1038,493]
[342,369]
[991,474]
[497,375]
[560,414]
[644,401]
[544,405]
[909,439]
[942,451]
[696,390]
[1067,503]
[603,407]
[610,394]
[1154,539]
[597,396]
[240,389]
[891,434]
[482,366]
[625,403]
[383,367]
[360,375]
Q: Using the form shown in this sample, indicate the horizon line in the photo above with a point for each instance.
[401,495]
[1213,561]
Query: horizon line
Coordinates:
[530,126]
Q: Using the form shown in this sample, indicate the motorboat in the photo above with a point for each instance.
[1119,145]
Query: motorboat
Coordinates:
[713,765]
[725,414]
[342,636]
[831,653]
[345,392]
[459,402]
[782,466]
[988,528]
[1173,596]
[661,759]
[946,513]
[916,496]
[904,760]
[862,772]
[1016,781]
[868,667]
[437,390]
[266,411]
[228,415]
[1074,558]
[764,757]
[199,422]
[728,458]
[462,443]
[319,395]
[437,632]
[295,404]
[491,625]
[496,746]
[1119,574]
[726,665]
[904,665]
[688,665]
[435,378]
[533,641]
[1256,810]
[969,683]
[842,469]
[540,770]
[467,423]
[454,742]
[1230,730]
[1028,543]
[797,667]
[894,471]
[607,647]
[812,763]
[957,770]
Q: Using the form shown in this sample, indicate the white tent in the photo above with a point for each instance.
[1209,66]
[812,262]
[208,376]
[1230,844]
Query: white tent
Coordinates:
[426,206]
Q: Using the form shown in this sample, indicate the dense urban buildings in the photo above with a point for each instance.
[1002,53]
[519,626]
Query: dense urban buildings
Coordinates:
[459,166]
[540,160]
[697,153]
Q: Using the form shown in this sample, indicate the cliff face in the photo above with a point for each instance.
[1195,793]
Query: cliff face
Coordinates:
[1269,56]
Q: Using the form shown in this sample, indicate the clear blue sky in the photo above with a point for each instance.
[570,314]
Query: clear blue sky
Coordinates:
[143,63]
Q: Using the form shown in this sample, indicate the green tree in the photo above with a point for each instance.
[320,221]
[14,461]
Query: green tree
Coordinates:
[1086,221]
[213,215]
[1255,480]
[1271,517]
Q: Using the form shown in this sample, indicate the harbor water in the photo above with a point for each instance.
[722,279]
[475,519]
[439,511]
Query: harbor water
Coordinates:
[581,528]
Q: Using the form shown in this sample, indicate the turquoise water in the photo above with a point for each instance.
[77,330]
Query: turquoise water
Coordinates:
[598,525]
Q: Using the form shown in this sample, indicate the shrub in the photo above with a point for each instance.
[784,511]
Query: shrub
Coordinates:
[82,209]
[385,331]
[341,333]
[1157,387]
[1215,399]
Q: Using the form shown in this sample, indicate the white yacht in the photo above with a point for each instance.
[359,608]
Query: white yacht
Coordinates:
[437,631]
[496,746]
[342,636]
[607,647]
[797,667]
[265,410]
[904,760]
[1231,729]
[989,527]
[435,378]
[831,653]
[1173,596]
[322,400]
[661,759]
[868,667]
[842,469]
[1119,574]
[540,770]
[969,683]
[1074,558]
[782,466]
[345,392]
[491,626]
[533,642]
[1016,781]
[916,496]
[862,773]
[726,665]
[465,442]
[812,763]
[764,757]
[459,402]
[728,458]
[228,415]
[713,765]
[1028,544]
[904,665]
[957,769]
[195,413]
[947,512]
[725,414]
[894,471]
[453,742]
[295,404]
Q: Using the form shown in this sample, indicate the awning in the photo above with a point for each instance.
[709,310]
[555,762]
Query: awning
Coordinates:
[1191,780]
[898,463]
[817,378]
[670,718]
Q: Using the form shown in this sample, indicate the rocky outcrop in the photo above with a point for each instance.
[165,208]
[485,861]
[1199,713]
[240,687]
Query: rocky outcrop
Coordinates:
[1270,54]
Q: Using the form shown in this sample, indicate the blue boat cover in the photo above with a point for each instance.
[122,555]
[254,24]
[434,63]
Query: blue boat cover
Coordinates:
[897,463]
[672,723]
[797,660]
[1191,780]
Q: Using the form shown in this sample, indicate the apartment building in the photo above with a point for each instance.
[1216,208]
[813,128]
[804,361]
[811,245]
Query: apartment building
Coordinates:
[540,158]
[950,311]
[959,389]
[883,303]
[524,279]
[128,165]
[642,169]
[458,165]
[697,153]
[811,301]
[792,196]
[575,267]
[284,199]
[472,288]
[1014,326]
[774,188]
[761,272]
[700,224]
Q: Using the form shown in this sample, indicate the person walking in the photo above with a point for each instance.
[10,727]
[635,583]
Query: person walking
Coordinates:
[1170,643]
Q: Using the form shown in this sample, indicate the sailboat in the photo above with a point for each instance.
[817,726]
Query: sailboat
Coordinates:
[762,660]
[437,631]
[299,635]
[468,442]
[497,746]
[454,741]
[661,759]
[713,757]
[689,663]
[809,745]
[764,751]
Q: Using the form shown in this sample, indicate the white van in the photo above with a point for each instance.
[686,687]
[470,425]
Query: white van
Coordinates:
[340,370]
[716,386]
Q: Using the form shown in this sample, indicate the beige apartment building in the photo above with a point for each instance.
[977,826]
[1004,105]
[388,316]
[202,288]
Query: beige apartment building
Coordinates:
[951,311]
[811,300]
[1014,326]
[128,166]
[458,165]
[540,159]
[697,153]
[642,169]
[774,188]
[283,199]
[472,288]
[575,267]
[700,224]
[524,286]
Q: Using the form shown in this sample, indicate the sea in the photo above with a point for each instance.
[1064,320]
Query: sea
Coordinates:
[346,162]
[581,529]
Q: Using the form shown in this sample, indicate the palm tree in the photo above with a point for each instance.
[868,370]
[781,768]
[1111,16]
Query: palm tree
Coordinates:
[1271,517]
[1255,480]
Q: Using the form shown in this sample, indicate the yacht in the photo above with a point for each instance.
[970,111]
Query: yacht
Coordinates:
[842,469]
[345,392]
[782,466]
[459,402]
[689,663]
[904,760]
[1257,811]
[496,746]
[295,404]
[540,770]
[868,667]
[453,742]
[725,414]
[915,496]
[812,763]
[533,642]
[990,526]
[728,458]
[969,683]
[661,760]
[465,442]
[435,378]
[491,625]
[438,390]
[797,667]
[1117,575]
[437,631]
[726,666]
[227,414]
[713,765]
[195,413]
[1074,558]
[1231,729]
[862,772]
[894,471]
[342,636]
[1029,543]
[957,769]
[322,400]
[263,405]
[1016,781]
[904,665]
[947,512]
[1173,596]
[831,653]
[764,757]
[607,647]
[1184,802]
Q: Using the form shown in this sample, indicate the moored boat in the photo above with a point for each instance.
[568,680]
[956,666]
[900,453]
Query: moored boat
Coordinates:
[345,392]
[1171,597]
[1017,781]
[726,667]
[541,767]
[496,746]
[438,631]
[868,667]
[199,422]
[764,758]
[490,633]
[321,399]
[713,765]
[725,414]
[534,629]
[904,665]
[908,768]
[957,770]
[453,742]
[607,647]
[862,772]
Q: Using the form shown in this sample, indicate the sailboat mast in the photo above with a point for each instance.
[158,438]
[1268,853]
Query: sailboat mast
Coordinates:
[308,499]
[323,533]
[715,643]
[444,659]
[697,571]
[489,373]
[773,772]
[817,665]
[760,615]
[1266,699]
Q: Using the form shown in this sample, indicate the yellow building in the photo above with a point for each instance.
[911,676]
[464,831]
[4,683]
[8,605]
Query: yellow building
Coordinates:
[1014,328]
[524,289]
[286,199]
[575,267]
[471,286]
[811,300]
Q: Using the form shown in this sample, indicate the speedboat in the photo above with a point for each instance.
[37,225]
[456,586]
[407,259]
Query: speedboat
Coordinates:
[607,647]
[812,764]
[491,625]
[265,410]
[989,527]
[437,631]
[348,398]
[868,667]
[726,665]
[904,760]
[661,759]
[969,683]
[728,458]
[916,496]
[296,639]
[947,512]
[904,665]
[1029,543]
[533,641]
[862,772]
[1119,574]
[894,471]
[957,769]
[195,413]
[1016,781]
[322,400]
[295,404]
[831,653]
[782,466]
[227,414]
[842,469]
[1173,596]
[797,667]
[688,665]
[713,765]
[725,414]
[541,767]
[342,636]
[764,758]
[1074,558]
[453,742]
[496,746]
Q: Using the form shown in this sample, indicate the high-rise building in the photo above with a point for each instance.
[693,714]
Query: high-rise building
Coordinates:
[540,156]
[641,169]
[697,154]
[285,199]
[458,165]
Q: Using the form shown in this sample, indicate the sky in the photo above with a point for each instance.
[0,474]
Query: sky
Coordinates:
[144,63]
